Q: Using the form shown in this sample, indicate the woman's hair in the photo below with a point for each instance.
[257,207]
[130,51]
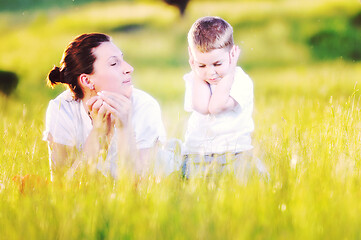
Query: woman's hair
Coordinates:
[209,33]
[78,58]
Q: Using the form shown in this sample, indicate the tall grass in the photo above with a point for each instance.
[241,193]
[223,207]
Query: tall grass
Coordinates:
[307,117]
[314,161]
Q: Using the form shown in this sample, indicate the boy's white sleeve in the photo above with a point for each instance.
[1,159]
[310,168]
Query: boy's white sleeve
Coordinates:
[188,79]
[60,127]
[242,89]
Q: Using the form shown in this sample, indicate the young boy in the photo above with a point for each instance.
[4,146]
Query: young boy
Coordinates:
[220,96]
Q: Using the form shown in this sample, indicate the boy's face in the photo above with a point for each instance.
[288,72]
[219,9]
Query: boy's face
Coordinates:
[211,66]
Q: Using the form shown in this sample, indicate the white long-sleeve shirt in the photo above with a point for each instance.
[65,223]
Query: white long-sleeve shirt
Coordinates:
[69,124]
[229,131]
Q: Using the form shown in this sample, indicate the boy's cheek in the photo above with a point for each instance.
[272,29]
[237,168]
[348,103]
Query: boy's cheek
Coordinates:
[201,72]
[197,73]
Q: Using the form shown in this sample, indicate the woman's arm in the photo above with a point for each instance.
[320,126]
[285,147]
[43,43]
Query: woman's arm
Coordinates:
[62,157]
[102,131]
[119,106]
[66,159]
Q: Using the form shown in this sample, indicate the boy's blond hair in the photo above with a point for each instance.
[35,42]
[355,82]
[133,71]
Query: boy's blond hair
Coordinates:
[209,33]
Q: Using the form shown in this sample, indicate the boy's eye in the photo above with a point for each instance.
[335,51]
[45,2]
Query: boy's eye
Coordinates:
[201,66]
[217,64]
[113,64]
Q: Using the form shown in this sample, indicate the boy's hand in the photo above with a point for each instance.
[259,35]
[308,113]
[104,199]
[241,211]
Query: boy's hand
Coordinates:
[197,78]
[201,92]
[221,100]
[233,59]
[191,59]
[228,79]
[233,56]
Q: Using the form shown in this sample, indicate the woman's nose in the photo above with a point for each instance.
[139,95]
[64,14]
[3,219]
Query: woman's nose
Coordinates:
[128,69]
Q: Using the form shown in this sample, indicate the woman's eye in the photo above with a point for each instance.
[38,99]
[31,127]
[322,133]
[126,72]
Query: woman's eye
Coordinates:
[113,64]
[201,66]
[217,64]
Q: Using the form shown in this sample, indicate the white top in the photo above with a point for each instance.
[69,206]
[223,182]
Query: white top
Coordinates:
[69,124]
[228,131]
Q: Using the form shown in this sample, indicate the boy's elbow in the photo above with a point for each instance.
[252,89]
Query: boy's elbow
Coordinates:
[215,109]
[203,111]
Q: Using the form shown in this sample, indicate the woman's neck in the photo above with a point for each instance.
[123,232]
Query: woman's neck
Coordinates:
[87,96]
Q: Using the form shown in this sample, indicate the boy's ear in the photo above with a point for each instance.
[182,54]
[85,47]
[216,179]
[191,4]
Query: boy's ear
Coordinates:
[85,81]
[233,51]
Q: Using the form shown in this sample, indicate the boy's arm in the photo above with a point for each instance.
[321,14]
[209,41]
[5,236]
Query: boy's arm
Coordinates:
[201,92]
[221,100]
[201,96]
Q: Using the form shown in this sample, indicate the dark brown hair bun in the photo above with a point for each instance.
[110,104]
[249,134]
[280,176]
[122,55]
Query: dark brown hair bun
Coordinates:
[55,76]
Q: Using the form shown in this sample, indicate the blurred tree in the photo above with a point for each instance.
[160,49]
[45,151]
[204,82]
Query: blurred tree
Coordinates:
[8,82]
[356,20]
[330,43]
[42,4]
[180,4]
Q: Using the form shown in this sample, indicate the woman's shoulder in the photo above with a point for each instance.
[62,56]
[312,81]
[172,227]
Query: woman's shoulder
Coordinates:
[142,98]
[65,96]
[64,101]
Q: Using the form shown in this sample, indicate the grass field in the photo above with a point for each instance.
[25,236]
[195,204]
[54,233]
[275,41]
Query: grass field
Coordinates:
[307,117]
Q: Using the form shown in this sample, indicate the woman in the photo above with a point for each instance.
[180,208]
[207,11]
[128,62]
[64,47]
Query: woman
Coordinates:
[100,119]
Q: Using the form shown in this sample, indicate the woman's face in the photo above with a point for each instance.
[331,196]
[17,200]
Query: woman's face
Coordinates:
[111,72]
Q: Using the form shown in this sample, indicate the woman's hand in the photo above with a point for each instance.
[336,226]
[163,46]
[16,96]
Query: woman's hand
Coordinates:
[118,106]
[101,119]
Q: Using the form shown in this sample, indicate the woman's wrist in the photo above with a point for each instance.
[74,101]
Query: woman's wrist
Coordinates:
[98,133]
[124,128]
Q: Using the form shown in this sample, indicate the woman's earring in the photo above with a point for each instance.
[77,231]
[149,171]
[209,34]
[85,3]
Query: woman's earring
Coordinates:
[91,87]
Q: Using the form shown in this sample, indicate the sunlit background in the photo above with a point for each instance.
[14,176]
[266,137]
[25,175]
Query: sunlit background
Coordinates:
[304,59]
[289,48]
